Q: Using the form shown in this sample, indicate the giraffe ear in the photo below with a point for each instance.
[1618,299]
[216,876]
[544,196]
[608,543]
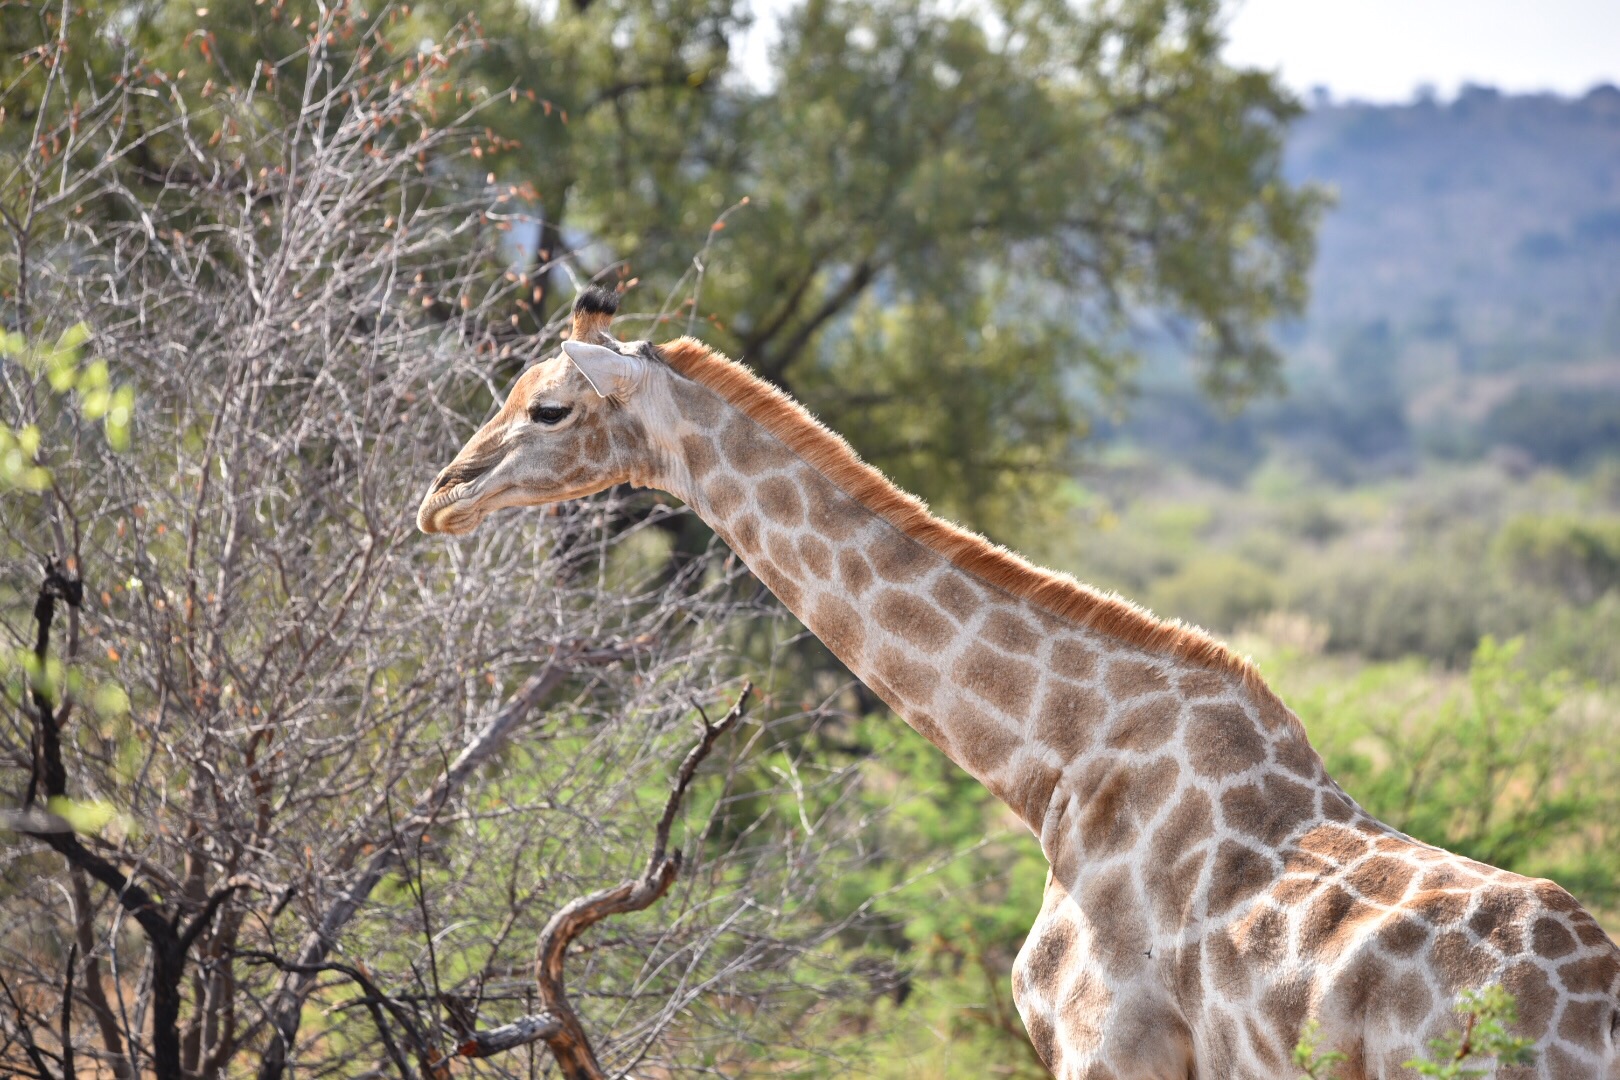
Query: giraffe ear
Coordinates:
[610,373]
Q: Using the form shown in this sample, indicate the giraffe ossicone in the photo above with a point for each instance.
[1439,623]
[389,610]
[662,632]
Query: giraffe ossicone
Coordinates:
[1211,887]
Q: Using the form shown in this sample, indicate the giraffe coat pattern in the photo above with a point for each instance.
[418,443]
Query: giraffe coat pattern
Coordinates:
[1211,888]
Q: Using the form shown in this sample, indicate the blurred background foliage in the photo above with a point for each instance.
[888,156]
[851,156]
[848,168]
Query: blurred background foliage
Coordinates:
[1053,269]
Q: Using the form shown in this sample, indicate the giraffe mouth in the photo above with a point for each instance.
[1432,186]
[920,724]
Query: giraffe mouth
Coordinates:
[452,510]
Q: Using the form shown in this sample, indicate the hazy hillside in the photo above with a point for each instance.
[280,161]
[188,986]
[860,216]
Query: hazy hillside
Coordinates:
[1493,221]
[1466,295]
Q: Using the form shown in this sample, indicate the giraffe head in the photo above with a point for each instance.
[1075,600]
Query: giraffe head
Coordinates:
[567,429]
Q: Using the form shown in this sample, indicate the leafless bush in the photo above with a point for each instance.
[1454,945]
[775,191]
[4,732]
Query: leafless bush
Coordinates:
[358,770]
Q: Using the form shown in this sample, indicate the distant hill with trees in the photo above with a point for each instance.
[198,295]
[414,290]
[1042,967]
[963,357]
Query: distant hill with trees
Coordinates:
[1465,298]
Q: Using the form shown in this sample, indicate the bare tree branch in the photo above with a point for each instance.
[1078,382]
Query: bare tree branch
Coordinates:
[559,1024]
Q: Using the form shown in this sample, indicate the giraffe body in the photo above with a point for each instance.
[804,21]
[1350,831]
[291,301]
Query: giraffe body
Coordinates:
[1211,887]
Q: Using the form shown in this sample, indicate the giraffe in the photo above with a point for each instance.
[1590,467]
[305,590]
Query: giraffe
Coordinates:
[1210,887]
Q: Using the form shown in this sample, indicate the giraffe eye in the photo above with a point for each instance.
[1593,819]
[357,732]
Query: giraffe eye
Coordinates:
[548,414]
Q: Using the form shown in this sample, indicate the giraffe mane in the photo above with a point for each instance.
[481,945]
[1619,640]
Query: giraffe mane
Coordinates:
[1052,591]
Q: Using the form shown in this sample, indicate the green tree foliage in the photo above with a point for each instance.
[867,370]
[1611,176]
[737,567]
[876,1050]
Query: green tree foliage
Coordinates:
[989,199]
[1221,592]
[1318,1064]
[1508,769]
[1579,557]
[1478,1049]
[1568,427]
[1487,1015]
[85,390]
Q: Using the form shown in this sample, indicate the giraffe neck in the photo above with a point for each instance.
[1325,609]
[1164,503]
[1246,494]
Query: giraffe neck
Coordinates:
[1012,692]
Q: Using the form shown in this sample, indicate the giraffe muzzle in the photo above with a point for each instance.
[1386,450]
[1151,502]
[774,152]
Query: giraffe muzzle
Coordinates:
[441,511]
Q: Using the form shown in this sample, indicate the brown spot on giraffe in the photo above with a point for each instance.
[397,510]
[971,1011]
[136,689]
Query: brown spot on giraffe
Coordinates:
[956,597]
[725,500]
[1270,814]
[1112,896]
[1066,716]
[700,455]
[1333,843]
[1043,1038]
[1081,1013]
[1587,929]
[1555,899]
[1231,972]
[985,745]
[817,556]
[1583,1021]
[1132,678]
[1409,1000]
[1260,1044]
[1147,726]
[840,626]
[915,681]
[1332,920]
[854,572]
[1203,684]
[1498,923]
[1006,683]
[1296,755]
[698,406]
[745,538]
[1044,965]
[1381,879]
[1274,715]
[1337,807]
[1222,741]
[1438,908]
[749,450]
[1551,939]
[929,729]
[784,553]
[1528,984]
[1286,1004]
[1461,962]
[1446,876]
[1187,977]
[1263,932]
[1402,936]
[779,500]
[834,514]
[913,619]
[1562,1065]
[1239,873]
[1590,975]
[1191,821]
[1074,660]
[1293,891]
[1363,984]
[898,558]
[1173,884]
[1011,631]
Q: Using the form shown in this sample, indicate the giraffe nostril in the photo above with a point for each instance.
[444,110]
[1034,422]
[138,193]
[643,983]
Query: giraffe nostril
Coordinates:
[458,474]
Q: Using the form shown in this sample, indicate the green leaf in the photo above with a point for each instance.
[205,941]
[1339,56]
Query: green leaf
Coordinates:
[110,700]
[120,417]
[83,816]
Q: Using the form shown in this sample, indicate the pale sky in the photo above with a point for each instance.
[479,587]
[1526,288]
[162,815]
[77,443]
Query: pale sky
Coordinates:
[1379,50]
